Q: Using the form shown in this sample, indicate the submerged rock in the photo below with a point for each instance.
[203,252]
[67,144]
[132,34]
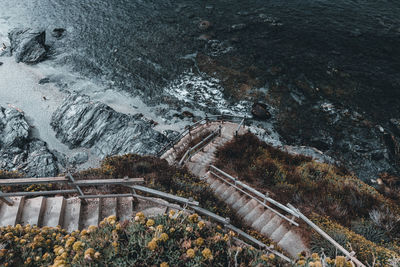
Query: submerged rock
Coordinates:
[79,158]
[19,151]
[260,111]
[80,122]
[58,32]
[28,45]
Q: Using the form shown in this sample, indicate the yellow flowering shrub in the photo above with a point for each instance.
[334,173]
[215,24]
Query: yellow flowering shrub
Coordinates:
[129,244]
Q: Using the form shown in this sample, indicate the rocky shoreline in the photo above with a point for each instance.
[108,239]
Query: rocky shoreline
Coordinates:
[288,119]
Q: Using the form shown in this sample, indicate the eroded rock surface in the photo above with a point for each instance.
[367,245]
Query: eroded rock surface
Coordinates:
[28,45]
[80,122]
[19,151]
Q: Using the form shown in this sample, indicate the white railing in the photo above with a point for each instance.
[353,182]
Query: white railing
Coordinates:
[264,197]
[349,255]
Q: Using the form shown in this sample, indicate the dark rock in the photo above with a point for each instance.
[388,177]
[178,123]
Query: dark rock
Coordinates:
[44,81]
[14,130]
[58,32]
[204,25]
[18,151]
[79,158]
[187,114]
[395,123]
[1,63]
[28,45]
[238,27]
[260,111]
[79,122]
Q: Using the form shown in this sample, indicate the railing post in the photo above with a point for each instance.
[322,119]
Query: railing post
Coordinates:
[265,198]
[76,186]
[6,200]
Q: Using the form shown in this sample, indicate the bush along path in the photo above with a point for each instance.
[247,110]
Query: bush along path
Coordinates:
[255,215]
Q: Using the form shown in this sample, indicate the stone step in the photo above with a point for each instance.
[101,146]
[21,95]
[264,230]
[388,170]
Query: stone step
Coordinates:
[253,215]
[215,185]
[262,220]
[292,243]
[233,198]
[247,208]
[108,207]
[10,215]
[72,214]
[54,211]
[221,189]
[125,208]
[32,211]
[240,203]
[227,193]
[271,226]
[277,235]
[90,213]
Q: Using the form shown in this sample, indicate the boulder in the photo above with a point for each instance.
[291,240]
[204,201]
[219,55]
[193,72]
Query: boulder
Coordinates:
[14,130]
[260,111]
[79,158]
[58,32]
[80,122]
[20,152]
[1,63]
[28,45]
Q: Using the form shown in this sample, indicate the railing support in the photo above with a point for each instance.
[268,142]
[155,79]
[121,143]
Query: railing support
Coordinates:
[349,255]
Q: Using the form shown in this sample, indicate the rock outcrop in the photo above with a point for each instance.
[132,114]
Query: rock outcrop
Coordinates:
[28,45]
[19,151]
[260,111]
[80,122]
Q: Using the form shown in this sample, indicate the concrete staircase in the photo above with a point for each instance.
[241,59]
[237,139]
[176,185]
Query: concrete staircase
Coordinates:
[253,214]
[72,213]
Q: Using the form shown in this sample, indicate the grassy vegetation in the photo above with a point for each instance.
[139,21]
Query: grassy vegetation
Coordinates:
[318,188]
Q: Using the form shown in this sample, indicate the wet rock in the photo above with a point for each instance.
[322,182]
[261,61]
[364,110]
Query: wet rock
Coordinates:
[58,32]
[20,152]
[80,122]
[395,123]
[204,25]
[44,80]
[79,158]
[238,27]
[28,45]
[260,111]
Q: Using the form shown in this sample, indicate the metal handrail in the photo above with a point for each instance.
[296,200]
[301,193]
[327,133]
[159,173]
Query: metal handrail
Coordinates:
[350,255]
[261,203]
[258,193]
[290,209]
[193,150]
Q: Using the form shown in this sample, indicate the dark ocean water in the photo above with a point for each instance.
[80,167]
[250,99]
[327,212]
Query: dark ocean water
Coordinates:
[350,46]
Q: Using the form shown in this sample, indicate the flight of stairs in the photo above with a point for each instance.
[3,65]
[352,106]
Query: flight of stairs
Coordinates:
[72,213]
[253,214]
